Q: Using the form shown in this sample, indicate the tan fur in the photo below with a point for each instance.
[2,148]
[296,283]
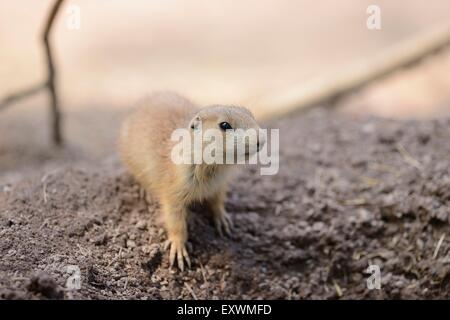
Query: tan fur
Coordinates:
[145,148]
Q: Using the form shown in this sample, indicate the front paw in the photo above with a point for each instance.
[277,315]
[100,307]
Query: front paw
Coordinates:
[178,251]
[223,224]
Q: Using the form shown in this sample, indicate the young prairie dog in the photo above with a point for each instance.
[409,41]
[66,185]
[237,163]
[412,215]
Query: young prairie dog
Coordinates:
[145,147]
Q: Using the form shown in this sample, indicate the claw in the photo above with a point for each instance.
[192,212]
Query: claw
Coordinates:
[186,256]
[166,244]
[223,223]
[177,251]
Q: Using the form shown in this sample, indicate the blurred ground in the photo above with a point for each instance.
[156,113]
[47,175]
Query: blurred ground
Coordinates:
[345,197]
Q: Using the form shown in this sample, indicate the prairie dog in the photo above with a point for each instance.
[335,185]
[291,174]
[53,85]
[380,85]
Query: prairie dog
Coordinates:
[145,147]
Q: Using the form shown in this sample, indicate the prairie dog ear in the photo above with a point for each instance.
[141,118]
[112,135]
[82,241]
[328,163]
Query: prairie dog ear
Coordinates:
[195,123]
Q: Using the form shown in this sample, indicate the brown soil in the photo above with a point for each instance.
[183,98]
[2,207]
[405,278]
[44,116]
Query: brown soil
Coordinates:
[351,191]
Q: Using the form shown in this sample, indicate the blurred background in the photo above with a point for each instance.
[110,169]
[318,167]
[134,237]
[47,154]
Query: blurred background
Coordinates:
[211,51]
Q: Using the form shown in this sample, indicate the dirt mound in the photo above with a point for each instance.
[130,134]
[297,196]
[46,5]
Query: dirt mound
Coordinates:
[350,192]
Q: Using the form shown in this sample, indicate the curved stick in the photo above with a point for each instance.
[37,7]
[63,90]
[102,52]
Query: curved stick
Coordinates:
[49,83]
[56,115]
[327,90]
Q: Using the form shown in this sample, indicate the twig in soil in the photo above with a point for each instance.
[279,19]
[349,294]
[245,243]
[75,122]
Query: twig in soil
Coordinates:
[438,246]
[223,283]
[289,295]
[45,192]
[115,258]
[43,180]
[278,209]
[384,168]
[203,273]
[355,202]
[19,279]
[188,287]
[370,182]
[408,157]
[413,285]
[381,167]
[84,252]
[394,241]
[43,224]
[337,288]
[16,277]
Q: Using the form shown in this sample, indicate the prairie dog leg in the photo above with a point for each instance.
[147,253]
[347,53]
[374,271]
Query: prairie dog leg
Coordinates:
[175,216]
[222,220]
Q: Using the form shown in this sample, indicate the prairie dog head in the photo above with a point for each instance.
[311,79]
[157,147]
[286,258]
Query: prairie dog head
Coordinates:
[228,132]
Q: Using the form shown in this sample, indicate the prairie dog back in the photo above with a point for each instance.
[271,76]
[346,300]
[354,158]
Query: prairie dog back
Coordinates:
[144,139]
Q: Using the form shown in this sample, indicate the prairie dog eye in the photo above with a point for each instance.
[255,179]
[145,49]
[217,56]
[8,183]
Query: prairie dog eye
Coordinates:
[225,126]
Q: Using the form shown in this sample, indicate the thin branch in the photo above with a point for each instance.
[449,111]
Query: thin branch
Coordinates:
[329,89]
[438,246]
[49,83]
[10,99]
[408,157]
[51,75]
